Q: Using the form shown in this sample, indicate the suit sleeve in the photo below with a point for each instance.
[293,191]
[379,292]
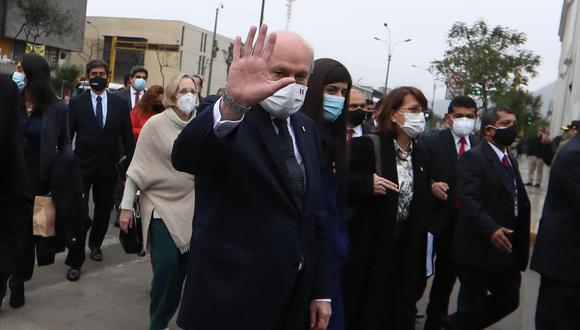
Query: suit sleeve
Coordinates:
[570,174]
[470,195]
[360,177]
[127,131]
[64,139]
[197,149]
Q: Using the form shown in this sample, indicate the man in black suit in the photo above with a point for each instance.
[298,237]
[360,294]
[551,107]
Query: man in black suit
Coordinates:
[493,232]
[138,78]
[15,202]
[557,250]
[260,250]
[357,115]
[99,120]
[444,148]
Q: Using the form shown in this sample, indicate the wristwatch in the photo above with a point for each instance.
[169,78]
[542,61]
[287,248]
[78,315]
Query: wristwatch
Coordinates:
[234,105]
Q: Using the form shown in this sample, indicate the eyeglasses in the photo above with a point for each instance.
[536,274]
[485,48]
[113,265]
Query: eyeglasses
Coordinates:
[413,109]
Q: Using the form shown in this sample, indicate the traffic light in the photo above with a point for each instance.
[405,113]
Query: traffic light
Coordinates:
[476,91]
[530,120]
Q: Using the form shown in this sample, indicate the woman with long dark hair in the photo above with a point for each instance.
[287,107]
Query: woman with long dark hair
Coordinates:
[44,121]
[389,193]
[326,103]
[150,104]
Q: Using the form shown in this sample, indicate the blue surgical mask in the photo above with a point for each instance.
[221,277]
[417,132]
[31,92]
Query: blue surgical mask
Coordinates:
[140,84]
[18,78]
[333,106]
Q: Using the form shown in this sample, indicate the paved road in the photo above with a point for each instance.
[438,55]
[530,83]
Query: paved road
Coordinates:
[114,294]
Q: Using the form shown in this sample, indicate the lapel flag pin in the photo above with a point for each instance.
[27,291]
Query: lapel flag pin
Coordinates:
[421,168]
[303,129]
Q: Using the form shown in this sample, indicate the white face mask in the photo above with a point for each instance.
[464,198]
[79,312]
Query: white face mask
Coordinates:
[414,124]
[186,103]
[462,127]
[285,102]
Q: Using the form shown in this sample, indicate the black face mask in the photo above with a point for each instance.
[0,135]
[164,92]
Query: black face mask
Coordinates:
[98,83]
[506,136]
[158,107]
[356,117]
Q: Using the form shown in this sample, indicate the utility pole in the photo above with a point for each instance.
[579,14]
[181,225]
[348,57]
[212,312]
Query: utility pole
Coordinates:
[262,14]
[289,13]
[213,47]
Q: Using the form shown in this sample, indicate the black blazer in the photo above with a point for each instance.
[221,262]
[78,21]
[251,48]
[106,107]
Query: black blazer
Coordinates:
[557,249]
[368,126]
[443,160]
[371,234]
[125,94]
[15,200]
[248,234]
[487,204]
[99,150]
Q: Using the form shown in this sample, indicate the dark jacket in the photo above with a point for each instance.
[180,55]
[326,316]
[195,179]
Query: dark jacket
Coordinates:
[15,200]
[443,160]
[487,203]
[557,248]
[125,94]
[366,275]
[99,150]
[535,147]
[248,233]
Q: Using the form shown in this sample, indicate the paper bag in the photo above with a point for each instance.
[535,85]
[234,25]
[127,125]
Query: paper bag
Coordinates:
[44,217]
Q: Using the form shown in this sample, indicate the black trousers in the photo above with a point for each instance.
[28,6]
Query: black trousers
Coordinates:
[444,278]
[103,197]
[558,305]
[485,297]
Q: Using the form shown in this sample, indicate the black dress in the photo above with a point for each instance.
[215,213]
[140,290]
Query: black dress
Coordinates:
[386,262]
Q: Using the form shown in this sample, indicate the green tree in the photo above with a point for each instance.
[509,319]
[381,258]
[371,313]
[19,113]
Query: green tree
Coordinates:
[42,18]
[523,103]
[485,59]
[65,77]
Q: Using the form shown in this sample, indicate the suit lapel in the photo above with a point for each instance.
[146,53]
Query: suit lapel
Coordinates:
[109,112]
[272,146]
[90,108]
[389,161]
[452,154]
[497,166]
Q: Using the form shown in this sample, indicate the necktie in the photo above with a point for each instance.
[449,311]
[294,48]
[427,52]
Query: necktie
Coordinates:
[100,111]
[295,172]
[349,134]
[136,98]
[462,145]
[509,170]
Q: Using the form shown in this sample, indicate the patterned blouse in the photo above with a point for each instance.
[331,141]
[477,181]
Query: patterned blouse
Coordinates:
[405,176]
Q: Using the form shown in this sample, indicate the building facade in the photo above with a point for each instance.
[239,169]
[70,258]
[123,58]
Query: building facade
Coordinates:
[164,47]
[56,49]
[566,105]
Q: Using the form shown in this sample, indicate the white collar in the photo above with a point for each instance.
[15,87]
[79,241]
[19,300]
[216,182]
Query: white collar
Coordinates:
[103,95]
[458,138]
[134,91]
[500,154]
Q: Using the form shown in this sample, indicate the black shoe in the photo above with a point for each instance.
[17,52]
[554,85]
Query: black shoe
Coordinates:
[529,184]
[537,185]
[73,275]
[17,296]
[430,324]
[96,254]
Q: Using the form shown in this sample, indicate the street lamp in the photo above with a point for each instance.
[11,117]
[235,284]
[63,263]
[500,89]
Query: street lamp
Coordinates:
[98,36]
[430,70]
[390,48]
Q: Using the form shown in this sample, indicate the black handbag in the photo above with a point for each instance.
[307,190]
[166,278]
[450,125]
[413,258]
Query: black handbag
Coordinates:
[132,241]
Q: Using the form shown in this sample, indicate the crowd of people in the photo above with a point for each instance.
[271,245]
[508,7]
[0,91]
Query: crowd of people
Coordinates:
[288,201]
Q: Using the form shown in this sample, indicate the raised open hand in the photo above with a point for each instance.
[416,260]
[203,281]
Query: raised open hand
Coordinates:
[247,82]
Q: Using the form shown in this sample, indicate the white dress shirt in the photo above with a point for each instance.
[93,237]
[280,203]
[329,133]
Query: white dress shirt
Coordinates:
[500,153]
[458,142]
[358,131]
[223,128]
[133,92]
[103,102]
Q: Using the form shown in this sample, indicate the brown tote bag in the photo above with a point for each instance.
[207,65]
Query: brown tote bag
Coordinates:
[44,217]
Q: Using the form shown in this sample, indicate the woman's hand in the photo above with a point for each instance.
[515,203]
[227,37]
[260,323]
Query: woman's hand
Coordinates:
[380,185]
[126,220]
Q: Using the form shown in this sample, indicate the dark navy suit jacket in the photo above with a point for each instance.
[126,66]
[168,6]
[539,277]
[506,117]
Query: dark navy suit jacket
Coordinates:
[248,234]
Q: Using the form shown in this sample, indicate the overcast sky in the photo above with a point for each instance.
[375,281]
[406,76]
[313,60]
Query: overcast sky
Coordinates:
[344,29]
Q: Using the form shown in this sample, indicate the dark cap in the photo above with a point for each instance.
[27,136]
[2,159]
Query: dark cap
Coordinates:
[575,124]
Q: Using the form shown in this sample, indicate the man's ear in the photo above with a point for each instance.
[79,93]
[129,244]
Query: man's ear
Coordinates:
[448,120]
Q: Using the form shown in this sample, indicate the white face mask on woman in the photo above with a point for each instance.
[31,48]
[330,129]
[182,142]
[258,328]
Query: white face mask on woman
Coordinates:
[186,103]
[414,124]
[285,102]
